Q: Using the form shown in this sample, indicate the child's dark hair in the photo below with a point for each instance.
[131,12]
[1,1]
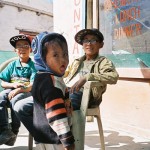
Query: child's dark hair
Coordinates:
[59,39]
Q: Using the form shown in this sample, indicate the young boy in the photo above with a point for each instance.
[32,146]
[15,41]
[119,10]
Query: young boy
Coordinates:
[90,67]
[52,108]
[17,79]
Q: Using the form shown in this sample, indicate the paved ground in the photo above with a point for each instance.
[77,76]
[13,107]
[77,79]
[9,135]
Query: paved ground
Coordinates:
[114,140]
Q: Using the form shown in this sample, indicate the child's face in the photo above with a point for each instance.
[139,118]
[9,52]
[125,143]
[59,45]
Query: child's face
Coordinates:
[57,58]
[22,49]
[91,45]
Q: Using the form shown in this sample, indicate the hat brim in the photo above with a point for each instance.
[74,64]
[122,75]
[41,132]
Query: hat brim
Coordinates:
[80,35]
[17,38]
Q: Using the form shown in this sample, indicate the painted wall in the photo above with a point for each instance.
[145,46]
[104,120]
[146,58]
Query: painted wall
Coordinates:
[12,19]
[126,107]
[69,18]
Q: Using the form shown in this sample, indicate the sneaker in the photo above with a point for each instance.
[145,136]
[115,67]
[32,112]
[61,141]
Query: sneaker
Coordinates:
[11,141]
[5,136]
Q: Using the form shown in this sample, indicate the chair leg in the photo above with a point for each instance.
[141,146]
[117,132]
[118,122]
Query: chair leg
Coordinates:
[100,127]
[30,142]
[78,129]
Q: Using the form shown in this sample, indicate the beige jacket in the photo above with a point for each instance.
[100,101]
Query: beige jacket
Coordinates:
[102,70]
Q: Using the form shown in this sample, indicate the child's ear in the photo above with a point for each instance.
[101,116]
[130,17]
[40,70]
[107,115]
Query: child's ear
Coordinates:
[101,44]
[15,49]
[30,50]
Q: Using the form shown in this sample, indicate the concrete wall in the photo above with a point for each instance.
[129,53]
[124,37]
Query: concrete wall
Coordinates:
[69,18]
[24,15]
[126,105]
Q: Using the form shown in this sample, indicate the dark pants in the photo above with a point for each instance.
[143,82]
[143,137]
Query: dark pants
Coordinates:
[4,105]
[24,111]
[76,98]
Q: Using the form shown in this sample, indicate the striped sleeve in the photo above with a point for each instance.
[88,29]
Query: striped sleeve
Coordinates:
[56,115]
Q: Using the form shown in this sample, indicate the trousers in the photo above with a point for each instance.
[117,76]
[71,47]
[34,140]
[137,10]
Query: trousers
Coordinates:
[6,103]
[24,111]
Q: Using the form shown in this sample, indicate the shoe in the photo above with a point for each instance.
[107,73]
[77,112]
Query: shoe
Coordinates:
[11,141]
[5,136]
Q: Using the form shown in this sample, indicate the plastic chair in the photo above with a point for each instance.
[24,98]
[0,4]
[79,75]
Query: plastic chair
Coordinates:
[2,66]
[30,142]
[79,118]
[5,63]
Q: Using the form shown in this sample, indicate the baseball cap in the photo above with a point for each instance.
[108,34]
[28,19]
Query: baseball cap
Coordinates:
[82,33]
[16,38]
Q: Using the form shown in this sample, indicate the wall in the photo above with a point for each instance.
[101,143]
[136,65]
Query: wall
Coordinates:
[126,107]
[69,18]
[28,15]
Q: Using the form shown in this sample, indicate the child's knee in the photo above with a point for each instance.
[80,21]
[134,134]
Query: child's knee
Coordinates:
[18,107]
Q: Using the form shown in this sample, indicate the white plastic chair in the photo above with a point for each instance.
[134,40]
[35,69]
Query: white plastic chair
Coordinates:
[79,118]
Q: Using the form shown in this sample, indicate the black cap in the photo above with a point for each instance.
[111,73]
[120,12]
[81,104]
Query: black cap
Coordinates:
[16,38]
[82,33]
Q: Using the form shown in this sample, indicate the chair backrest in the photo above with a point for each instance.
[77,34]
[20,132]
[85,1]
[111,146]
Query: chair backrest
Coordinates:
[5,63]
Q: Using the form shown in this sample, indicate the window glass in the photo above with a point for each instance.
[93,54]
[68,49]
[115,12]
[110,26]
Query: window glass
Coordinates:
[126,28]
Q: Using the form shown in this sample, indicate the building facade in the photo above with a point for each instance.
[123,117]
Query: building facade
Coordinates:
[27,16]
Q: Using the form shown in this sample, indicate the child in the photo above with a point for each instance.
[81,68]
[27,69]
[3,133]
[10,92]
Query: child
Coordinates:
[17,79]
[52,108]
[90,67]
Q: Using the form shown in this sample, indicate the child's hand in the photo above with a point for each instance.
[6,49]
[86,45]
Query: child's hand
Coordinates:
[17,85]
[72,147]
[77,86]
[13,93]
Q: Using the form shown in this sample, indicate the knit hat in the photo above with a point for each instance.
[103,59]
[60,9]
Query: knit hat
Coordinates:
[37,47]
[19,37]
[82,33]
